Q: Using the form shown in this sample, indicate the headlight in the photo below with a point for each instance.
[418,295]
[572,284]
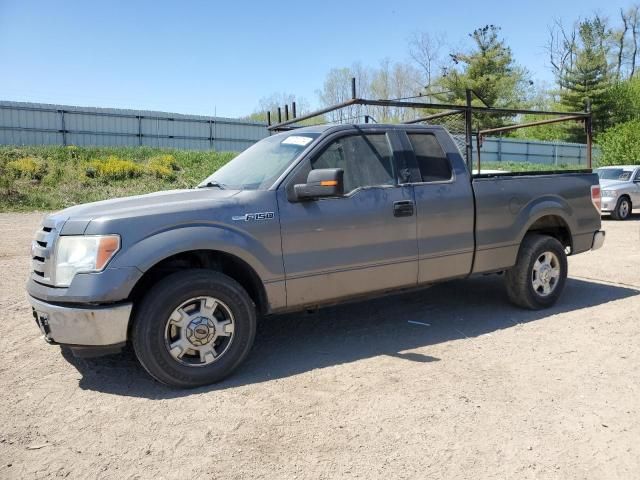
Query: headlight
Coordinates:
[609,193]
[82,254]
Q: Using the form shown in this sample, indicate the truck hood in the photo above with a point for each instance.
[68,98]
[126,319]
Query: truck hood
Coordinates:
[76,219]
[609,184]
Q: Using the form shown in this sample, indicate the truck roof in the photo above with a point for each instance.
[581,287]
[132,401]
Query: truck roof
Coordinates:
[623,167]
[368,126]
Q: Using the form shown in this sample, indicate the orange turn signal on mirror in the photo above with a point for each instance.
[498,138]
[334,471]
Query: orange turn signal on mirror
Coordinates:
[329,183]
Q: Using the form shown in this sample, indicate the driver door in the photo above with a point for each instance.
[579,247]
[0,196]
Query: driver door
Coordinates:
[361,242]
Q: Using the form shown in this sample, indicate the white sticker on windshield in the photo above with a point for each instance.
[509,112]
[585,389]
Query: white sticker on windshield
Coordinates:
[297,140]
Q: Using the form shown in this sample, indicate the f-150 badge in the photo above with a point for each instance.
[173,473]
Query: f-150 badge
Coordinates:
[253,216]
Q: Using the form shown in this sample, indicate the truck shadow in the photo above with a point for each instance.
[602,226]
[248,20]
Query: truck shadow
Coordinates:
[635,216]
[291,344]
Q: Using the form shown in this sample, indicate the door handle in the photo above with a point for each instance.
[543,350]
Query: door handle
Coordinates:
[403,208]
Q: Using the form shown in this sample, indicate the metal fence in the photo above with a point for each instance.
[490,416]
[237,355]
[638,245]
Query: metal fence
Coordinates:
[499,149]
[505,149]
[43,124]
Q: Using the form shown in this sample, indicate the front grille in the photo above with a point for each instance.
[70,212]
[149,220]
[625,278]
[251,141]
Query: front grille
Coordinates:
[41,253]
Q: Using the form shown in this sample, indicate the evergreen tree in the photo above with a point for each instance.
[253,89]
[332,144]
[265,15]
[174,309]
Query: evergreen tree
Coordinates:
[589,78]
[490,71]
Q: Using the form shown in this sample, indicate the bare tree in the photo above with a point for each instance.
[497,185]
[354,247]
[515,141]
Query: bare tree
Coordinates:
[426,50]
[561,47]
[337,89]
[406,82]
[381,89]
[633,15]
[620,40]
[626,49]
[388,80]
[275,100]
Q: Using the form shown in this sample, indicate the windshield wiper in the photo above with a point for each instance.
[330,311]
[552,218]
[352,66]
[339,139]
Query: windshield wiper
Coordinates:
[212,183]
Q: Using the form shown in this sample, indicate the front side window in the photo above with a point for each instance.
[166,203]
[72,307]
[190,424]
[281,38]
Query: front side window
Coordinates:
[432,161]
[367,160]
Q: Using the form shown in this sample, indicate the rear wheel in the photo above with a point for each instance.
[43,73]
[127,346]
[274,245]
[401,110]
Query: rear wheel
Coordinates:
[538,277]
[194,328]
[622,210]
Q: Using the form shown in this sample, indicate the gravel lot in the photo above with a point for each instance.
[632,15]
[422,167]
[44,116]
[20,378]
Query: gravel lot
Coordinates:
[484,391]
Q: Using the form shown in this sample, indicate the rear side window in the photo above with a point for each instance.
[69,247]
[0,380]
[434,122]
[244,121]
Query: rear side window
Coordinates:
[432,161]
[367,160]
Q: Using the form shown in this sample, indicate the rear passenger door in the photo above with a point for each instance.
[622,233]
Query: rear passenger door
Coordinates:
[444,206]
[356,243]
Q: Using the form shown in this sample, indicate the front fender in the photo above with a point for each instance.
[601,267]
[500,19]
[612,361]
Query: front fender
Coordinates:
[622,191]
[150,250]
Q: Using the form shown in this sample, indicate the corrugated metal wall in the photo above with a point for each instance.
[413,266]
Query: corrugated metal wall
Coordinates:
[548,153]
[44,124]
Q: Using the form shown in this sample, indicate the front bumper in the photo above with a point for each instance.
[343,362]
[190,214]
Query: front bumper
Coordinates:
[608,204]
[91,326]
[598,240]
[109,286]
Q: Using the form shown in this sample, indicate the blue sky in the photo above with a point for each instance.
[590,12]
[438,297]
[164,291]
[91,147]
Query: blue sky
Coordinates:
[203,57]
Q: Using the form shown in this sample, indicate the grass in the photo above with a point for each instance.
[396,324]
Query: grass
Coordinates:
[55,177]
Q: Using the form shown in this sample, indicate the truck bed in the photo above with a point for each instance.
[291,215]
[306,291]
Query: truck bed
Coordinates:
[509,204]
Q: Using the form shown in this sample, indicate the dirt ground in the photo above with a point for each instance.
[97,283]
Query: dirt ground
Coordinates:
[483,391]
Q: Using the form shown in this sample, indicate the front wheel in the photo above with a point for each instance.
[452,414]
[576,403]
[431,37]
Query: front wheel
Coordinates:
[194,328]
[538,277]
[622,210]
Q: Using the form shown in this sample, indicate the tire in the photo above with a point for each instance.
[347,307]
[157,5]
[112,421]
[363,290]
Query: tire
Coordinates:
[528,289]
[185,305]
[623,209]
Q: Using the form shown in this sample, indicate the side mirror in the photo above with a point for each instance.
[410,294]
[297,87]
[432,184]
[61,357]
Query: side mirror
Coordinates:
[324,182]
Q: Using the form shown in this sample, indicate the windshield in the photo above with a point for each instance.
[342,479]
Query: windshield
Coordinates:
[261,164]
[614,174]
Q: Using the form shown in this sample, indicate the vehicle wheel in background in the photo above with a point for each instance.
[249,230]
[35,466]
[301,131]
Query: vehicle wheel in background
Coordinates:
[538,277]
[194,328]
[622,210]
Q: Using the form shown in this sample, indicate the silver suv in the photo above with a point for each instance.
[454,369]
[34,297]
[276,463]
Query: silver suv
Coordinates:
[620,189]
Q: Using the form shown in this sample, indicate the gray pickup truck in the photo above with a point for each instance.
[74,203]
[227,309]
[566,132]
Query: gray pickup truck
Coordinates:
[305,218]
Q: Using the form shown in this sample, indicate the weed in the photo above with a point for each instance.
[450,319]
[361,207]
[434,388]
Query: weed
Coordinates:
[163,166]
[57,177]
[27,167]
[113,168]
